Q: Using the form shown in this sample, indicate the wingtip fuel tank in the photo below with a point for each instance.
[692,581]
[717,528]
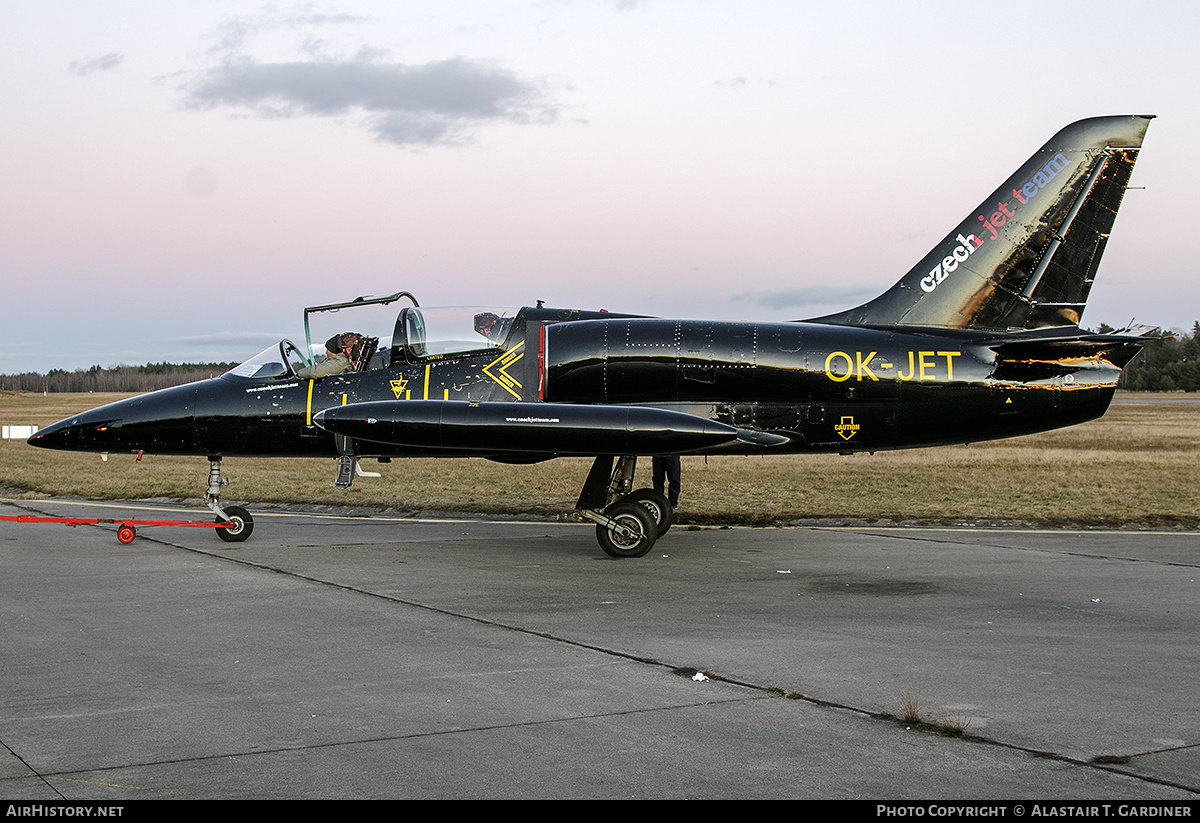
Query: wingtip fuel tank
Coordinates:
[541,428]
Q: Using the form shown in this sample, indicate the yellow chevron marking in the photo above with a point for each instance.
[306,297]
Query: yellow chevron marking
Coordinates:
[500,375]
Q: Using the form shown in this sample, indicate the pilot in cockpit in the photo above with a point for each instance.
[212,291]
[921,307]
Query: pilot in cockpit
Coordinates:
[492,326]
[342,352]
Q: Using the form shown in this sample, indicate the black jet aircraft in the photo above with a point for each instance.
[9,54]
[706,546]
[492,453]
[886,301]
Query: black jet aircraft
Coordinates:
[979,341]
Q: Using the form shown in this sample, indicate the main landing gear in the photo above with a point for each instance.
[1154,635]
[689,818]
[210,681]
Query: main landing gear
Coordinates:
[627,522]
[240,523]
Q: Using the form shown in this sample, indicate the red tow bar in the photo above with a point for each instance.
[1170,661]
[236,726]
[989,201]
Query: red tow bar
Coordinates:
[126,530]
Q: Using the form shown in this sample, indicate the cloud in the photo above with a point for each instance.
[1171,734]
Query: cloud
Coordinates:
[441,102]
[107,62]
[233,33]
[434,103]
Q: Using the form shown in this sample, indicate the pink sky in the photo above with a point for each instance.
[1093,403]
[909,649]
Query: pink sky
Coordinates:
[181,179]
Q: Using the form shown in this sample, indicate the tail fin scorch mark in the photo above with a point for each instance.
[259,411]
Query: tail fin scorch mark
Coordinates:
[1026,258]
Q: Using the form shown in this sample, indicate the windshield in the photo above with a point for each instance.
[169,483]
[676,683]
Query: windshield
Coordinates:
[280,360]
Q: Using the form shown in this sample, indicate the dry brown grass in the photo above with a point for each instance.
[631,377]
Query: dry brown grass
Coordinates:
[1135,465]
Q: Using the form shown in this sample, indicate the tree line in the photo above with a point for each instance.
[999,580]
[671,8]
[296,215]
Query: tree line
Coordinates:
[122,378]
[1168,361]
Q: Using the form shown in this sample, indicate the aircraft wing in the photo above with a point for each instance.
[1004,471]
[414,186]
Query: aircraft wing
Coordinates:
[541,428]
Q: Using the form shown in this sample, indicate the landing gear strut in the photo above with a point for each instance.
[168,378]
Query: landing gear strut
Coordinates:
[627,522]
[241,524]
[348,465]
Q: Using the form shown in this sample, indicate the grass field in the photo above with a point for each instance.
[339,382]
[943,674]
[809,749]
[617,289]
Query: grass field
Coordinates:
[1136,465]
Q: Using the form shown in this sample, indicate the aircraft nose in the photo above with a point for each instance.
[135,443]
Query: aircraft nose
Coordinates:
[161,422]
[86,431]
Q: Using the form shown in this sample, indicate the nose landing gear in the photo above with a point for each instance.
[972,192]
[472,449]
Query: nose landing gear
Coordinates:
[240,523]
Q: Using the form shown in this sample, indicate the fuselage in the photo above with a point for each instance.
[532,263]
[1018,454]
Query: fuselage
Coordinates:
[814,387]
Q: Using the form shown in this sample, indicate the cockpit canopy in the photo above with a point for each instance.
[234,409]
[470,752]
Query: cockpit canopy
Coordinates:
[417,335]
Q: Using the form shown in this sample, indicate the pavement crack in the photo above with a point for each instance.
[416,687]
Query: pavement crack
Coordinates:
[45,782]
[391,738]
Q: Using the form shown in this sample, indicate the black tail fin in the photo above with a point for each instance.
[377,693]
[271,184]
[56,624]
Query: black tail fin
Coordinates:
[1026,257]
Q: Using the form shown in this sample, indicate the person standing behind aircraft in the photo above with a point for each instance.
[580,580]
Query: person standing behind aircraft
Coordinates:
[667,468]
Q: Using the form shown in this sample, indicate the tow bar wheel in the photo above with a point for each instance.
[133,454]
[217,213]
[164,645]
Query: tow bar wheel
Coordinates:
[632,532]
[126,533]
[241,524]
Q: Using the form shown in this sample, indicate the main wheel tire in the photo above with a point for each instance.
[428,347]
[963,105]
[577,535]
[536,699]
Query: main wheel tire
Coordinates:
[640,524]
[241,524]
[657,504]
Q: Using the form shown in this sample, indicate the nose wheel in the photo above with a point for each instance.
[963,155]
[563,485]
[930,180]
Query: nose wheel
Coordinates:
[240,524]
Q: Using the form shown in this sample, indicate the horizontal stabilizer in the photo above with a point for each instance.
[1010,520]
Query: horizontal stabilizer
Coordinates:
[1060,344]
[537,428]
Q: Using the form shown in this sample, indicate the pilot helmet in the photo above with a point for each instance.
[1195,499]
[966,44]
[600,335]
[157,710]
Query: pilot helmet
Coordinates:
[343,342]
[485,323]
